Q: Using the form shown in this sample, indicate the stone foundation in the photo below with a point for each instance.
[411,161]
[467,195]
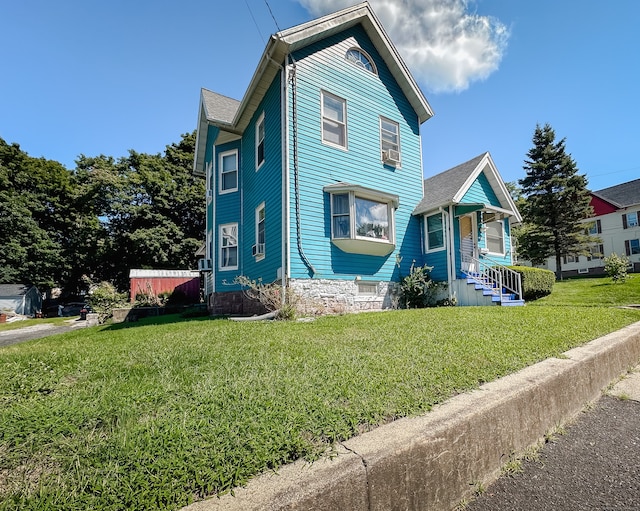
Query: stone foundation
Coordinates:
[329,296]
[315,297]
[235,303]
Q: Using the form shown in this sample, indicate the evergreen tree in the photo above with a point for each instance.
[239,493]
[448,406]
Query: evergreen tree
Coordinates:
[556,202]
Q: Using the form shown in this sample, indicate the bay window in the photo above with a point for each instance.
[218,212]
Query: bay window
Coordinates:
[362,220]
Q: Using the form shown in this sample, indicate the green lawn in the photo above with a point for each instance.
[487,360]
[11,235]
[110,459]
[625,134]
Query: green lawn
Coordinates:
[153,416]
[593,292]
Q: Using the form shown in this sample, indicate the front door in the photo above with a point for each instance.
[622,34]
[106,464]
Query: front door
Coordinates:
[468,244]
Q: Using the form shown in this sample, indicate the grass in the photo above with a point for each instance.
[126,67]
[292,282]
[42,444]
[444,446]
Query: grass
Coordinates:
[593,292]
[164,412]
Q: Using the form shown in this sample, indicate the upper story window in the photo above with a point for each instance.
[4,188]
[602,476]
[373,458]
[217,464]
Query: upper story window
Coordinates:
[630,220]
[260,142]
[390,141]
[228,171]
[361,59]
[435,232]
[334,120]
[362,220]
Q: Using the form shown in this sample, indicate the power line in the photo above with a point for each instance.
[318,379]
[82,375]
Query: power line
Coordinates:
[254,21]
[272,16]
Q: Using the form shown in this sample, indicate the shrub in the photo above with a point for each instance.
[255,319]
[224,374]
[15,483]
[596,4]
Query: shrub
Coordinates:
[270,296]
[419,290]
[103,298]
[536,282]
[615,266]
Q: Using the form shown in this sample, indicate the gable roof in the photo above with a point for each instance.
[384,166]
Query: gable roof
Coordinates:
[14,289]
[622,195]
[234,116]
[449,187]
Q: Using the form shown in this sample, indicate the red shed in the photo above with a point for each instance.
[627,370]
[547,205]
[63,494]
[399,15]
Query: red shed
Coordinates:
[161,281]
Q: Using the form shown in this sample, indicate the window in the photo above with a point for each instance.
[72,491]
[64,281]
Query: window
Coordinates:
[340,216]
[229,246]
[595,228]
[632,247]
[260,142]
[258,251]
[595,252]
[334,127]
[360,59]
[571,259]
[228,165]
[390,141]
[630,220]
[362,220]
[367,288]
[435,232]
[494,234]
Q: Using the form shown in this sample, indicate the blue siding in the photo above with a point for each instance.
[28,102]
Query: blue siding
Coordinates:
[255,187]
[323,67]
[480,192]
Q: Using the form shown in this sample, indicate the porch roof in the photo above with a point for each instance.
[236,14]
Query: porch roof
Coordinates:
[449,187]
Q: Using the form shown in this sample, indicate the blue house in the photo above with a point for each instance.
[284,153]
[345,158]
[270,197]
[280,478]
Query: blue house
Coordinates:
[314,179]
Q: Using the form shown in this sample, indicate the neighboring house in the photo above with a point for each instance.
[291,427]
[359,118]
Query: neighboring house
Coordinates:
[616,221]
[314,179]
[20,298]
[156,282]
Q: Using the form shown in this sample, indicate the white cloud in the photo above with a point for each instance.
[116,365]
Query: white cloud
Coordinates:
[446,46]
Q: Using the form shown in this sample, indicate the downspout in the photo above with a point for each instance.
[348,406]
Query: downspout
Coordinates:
[284,120]
[296,169]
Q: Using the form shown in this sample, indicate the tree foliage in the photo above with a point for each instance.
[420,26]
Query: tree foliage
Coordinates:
[556,201]
[100,219]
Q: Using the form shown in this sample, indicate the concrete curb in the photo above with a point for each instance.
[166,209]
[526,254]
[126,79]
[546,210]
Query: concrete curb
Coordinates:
[434,461]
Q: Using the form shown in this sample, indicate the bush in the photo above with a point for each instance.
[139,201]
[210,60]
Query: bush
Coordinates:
[536,282]
[419,290]
[615,266]
[103,298]
[270,296]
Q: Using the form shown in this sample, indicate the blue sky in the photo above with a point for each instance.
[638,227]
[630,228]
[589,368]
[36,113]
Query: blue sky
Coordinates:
[103,77]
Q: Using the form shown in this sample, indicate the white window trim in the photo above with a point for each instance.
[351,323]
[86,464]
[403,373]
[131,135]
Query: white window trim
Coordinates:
[397,124]
[264,136]
[373,70]
[324,93]
[220,247]
[486,238]
[364,244]
[220,157]
[429,250]
[637,220]
[260,257]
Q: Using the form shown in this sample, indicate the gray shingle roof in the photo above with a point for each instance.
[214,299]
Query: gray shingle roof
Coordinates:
[622,195]
[219,107]
[439,190]
[13,289]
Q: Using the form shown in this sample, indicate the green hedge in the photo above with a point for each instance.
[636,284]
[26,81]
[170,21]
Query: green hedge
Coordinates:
[536,282]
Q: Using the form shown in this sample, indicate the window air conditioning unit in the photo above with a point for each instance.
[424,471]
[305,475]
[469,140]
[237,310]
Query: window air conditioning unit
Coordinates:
[258,249]
[205,265]
[391,156]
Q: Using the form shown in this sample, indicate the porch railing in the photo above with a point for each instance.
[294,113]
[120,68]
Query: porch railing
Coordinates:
[493,275]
